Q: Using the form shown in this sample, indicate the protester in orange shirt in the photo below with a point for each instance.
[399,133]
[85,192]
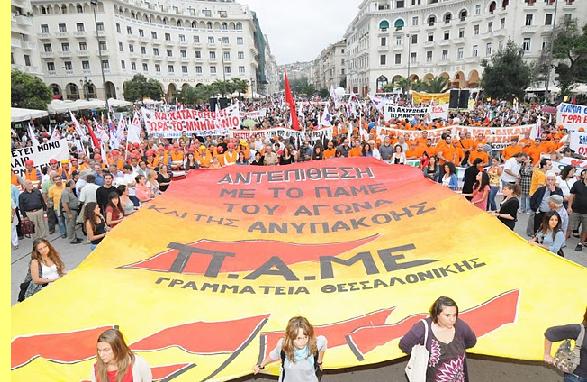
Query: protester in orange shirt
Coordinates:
[446,152]
[205,157]
[512,149]
[481,154]
[30,172]
[330,152]
[480,139]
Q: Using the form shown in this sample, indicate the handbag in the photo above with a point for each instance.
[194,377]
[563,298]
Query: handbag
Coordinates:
[418,363]
[28,287]
[567,357]
[27,227]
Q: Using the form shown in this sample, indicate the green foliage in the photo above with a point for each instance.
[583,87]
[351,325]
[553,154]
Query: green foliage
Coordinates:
[434,85]
[139,87]
[193,95]
[28,91]
[241,86]
[401,82]
[507,75]
[324,93]
[570,50]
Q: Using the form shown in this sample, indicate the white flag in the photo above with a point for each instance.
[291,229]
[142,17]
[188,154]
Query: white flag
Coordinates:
[134,130]
[33,136]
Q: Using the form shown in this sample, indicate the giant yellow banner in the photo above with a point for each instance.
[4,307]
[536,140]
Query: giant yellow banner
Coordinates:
[203,279]
[423,97]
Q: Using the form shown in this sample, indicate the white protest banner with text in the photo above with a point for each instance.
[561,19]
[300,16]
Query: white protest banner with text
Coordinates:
[572,117]
[578,142]
[40,154]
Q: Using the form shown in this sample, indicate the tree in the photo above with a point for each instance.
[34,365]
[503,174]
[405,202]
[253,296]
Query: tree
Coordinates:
[401,82]
[324,93]
[569,48]
[507,75]
[139,87]
[223,87]
[241,86]
[192,95]
[436,85]
[28,91]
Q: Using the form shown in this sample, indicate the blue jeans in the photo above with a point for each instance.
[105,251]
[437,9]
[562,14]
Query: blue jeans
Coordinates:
[525,203]
[491,200]
[62,225]
[574,378]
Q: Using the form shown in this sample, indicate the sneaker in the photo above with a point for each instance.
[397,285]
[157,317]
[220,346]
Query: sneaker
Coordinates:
[579,247]
[76,241]
[575,233]
[64,236]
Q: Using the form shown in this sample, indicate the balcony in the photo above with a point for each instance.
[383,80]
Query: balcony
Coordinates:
[101,33]
[86,71]
[398,48]
[69,71]
[15,43]
[46,54]
[384,48]
[156,42]
[82,53]
[157,58]
[184,59]
[104,52]
[79,34]
[444,43]
[44,35]
[61,35]
[51,72]
[64,53]
[529,28]
[133,54]
[22,20]
[172,59]
[183,43]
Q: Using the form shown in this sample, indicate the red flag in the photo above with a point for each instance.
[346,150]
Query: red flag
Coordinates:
[92,134]
[292,104]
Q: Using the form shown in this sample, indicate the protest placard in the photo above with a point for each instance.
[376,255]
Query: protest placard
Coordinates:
[40,154]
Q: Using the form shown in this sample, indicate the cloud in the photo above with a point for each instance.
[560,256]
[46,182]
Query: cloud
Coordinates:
[298,30]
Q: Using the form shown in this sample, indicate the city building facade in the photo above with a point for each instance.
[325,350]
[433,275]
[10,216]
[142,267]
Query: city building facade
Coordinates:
[331,66]
[421,39]
[23,47]
[179,43]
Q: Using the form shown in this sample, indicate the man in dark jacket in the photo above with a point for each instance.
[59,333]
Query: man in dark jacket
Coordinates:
[539,201]
[470,177]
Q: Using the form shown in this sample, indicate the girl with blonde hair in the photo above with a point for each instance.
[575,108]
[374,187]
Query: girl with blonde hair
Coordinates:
[301,353]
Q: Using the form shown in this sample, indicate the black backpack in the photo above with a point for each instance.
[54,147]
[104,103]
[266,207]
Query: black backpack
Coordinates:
[317,368]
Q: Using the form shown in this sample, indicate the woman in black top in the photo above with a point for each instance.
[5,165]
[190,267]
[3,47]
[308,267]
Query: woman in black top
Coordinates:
[95,224]
[163,178]
[286,157]
[317,153]
[508,211]
[258,161]
[432,170]
[190,162]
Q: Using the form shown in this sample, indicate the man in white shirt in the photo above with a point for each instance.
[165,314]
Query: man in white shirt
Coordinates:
[511,169]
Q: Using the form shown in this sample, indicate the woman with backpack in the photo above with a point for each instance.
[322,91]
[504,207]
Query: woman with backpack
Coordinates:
[301,353]
[575,371]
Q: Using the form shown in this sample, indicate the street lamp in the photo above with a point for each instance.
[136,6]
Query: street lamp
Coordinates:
[546,97]
[409,61]
[85,84]
[222,59]
[95,4]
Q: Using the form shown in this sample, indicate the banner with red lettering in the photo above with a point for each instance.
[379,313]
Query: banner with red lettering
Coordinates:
[171,124]
[571,117]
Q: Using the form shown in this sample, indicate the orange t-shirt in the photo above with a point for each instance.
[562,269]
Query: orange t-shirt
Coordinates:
[329,153]
[355,152]
[479,154]
[468,144]
[511,150]
[448,152]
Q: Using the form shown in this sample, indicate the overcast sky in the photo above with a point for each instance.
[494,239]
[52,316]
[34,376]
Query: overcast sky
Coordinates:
[299,29]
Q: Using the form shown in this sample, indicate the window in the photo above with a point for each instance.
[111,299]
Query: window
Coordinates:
[382,59]
[182,37]
[143,50]
[169,52]
[100,27]
[447,18]
[118,29]
[548,19]
[529,17]
[415,20]
[212,70]
[241,55]
[476,29]
[183,53]
[44,28]
[226,56]
[86,65]
[460,53]
[62,28]
[170,69]
[80,9]
[428,56]
[51,66]
[430,37]
[414,38]
[129,30]
[207,12]
[399,4]
[398,25]
[431,20]
[384,25]
[27,60]
[568,18]
[488,49]
[120,46]
[131,48]
[477,9]
[80,27]
[67,65]
[196,39]
[122,65]
[227,69]
[154,35]
[225,40]
[47,47]
[157,68]
[461,32]
[212,55]
[184,69]
[102,45]
[83,45]
[239,40]
[475,50]
[141,33]
[502,23]
[155,51]
[167,37]
[198,53]
[526,44]
[210,40]
[65,46]
[446,35]
[198,69]
[241,70]
[444,54]
[398,59]
[398,40]
[490,26]
[413,57]
[133,66]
